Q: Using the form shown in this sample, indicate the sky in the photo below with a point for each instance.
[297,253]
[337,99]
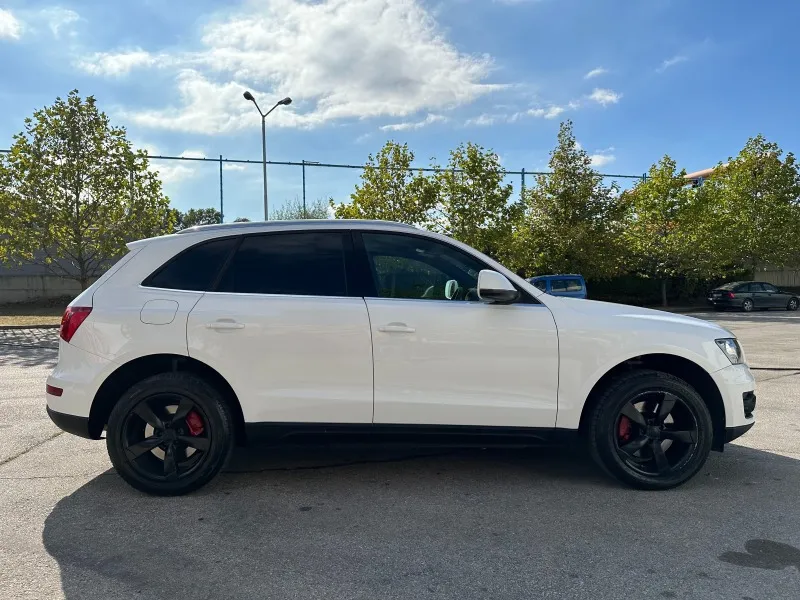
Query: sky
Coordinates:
[638,79]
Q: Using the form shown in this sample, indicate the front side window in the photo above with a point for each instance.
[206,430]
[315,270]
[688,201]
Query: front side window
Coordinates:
[301,264]
[754,287]
[194,269]
[768,287]
[416,268]
[541,284]
[574,285]
[558,285]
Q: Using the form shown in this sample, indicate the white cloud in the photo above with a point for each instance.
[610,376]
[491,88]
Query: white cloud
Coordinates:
[595,73]
[58,18]
[605,96]
[192,154]
[116,63]
[602,158]
[484,120]
[10,26]
[415,125]
[227,166]
[551,112]
[338,59]
[671,62]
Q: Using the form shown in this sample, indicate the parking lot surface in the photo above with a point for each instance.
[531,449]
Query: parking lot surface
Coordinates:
[373,524]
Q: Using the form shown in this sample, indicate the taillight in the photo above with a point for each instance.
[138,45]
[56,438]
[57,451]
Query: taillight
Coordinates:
[72,319]
[731,295]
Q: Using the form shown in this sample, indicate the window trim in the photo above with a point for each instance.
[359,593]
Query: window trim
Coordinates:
[146,282]
[347,258]
[365,281]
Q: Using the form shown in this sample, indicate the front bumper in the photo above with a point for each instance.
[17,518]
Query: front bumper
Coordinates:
[73,424]
[731,433]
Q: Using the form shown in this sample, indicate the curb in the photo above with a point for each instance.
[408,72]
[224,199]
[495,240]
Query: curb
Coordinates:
[17,327]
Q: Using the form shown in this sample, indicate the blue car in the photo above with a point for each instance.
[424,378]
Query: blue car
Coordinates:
[571,286]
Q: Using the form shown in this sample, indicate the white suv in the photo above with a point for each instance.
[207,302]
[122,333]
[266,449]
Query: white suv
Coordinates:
[365,330]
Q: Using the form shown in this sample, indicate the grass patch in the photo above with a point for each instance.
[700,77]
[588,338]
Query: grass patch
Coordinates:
[39,312]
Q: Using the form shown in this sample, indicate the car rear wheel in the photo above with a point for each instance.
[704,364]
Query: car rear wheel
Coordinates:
[170,434]
[793,304]
[650,430]
[747,305]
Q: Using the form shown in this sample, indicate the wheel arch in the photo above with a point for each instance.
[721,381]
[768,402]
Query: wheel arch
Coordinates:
[685,369]
[126,375]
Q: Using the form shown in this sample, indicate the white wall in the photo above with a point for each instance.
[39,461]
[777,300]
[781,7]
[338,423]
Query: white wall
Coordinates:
[24,288]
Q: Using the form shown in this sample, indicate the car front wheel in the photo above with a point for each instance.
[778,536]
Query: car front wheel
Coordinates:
[170,434]
[793,304]
[650,430]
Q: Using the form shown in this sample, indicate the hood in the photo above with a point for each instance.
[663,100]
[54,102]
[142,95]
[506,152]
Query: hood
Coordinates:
[645,317]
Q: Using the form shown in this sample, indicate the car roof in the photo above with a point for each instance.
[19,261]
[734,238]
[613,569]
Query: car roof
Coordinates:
[253,226]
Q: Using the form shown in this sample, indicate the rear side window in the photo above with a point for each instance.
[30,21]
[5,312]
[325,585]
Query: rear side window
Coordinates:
[194,269]
[301,264]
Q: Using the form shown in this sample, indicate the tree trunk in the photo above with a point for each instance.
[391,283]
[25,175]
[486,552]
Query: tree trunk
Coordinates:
[664,292]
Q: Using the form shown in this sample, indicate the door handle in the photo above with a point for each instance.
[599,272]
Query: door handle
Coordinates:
[396,328]
[225,325]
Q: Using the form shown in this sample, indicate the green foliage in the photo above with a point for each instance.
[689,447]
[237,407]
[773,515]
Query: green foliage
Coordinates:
[196,216]
[389,190]
[570,221]
[659,234]
[751,208]
[74,192]
[294,210]
[474,204]
[241,220]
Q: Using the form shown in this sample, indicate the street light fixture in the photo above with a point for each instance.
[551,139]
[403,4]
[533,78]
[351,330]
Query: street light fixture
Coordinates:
[285,102]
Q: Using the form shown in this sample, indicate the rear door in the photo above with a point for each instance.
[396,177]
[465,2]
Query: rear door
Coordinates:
[283,329]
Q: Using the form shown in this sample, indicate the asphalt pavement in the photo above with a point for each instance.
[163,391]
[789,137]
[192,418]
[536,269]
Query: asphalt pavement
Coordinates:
[371,524]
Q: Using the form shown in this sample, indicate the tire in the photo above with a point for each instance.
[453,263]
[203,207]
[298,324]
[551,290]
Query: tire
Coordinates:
[688,421]
[793,304]
[161,452]
[747,305]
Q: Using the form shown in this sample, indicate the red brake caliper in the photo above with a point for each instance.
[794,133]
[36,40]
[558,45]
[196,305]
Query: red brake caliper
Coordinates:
[624,428]
[195,423]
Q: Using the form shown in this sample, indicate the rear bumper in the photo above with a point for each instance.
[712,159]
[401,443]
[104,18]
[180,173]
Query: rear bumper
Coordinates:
[731,433]
[73,424]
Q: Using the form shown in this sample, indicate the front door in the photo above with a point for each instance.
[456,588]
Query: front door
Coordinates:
[774,298]
[441,356]
[283,330]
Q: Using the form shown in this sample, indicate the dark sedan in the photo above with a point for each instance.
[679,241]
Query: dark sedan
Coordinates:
[752,295]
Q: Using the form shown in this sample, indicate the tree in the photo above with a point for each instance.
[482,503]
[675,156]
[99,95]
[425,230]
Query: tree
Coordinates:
[389,190]
[196,216]
[474,204]
[241,220]
[755,203]
[570,221]
[658,236]
[74,192]
[294,210]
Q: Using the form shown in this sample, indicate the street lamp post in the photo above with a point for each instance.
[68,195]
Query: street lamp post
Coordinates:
[285,102]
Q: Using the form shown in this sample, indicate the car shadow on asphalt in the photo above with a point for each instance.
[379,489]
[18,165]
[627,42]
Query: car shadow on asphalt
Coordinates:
[19,354]
[372,523]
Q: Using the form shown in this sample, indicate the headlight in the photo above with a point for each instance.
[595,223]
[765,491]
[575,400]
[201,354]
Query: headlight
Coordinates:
[732,349]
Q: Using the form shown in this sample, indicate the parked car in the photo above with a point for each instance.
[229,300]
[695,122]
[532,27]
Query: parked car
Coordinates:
[752,295]
[569,286]
[365,330]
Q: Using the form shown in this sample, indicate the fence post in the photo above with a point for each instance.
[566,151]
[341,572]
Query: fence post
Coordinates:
[221,203]
[522,189]
[305,213]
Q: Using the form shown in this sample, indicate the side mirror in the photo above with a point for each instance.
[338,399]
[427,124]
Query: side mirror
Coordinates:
[496,288]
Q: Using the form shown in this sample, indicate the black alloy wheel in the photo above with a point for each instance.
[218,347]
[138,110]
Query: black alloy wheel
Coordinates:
[656,433]
[793,304]
[170,434]
[650,430]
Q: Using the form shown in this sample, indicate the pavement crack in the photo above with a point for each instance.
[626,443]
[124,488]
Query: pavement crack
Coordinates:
[24,452]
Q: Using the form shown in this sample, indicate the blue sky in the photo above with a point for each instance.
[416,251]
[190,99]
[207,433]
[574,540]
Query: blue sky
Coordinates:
[638,79]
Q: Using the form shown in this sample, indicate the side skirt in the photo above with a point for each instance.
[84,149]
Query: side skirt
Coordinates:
[418,436]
